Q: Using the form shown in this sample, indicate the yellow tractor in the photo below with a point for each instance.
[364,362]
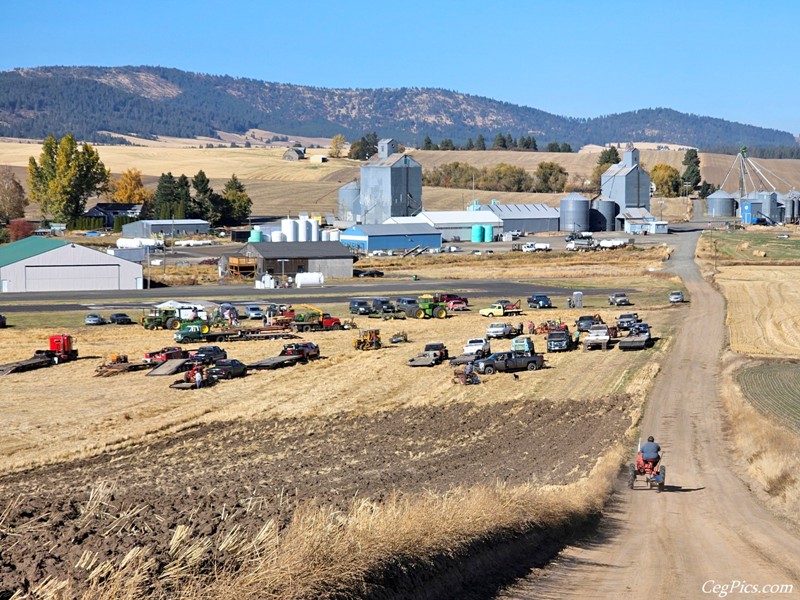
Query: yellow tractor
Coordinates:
[368,339]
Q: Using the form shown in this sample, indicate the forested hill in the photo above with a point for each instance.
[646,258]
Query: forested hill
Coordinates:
[149,101]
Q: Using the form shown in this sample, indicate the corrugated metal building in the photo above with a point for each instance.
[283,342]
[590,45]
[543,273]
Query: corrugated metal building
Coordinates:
[287,259]
[391,237]
[528,218]
[639,221]
[37,264]
[166,227]
[626,183]
[390,186]
[455,225]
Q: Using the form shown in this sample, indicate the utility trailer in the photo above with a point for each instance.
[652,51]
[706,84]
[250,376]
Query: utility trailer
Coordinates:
[637,338]
[197,335]
[61,350]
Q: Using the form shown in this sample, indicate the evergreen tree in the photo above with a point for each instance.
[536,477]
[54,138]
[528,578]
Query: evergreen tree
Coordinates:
[427,143]
[565,147]
[201,206]
[183,196]
[692,172]
[370,144]
[470,145]
[499,142]
[608,156]
[239,204]
[510,143]
[166,197]
[480,143]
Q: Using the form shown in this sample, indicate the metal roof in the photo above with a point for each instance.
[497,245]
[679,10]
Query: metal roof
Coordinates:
[389,161]
[522,211]
[637,214]
[415,228]
[298,249]
[619,170]
[27,247]
[173,222]
[466,217]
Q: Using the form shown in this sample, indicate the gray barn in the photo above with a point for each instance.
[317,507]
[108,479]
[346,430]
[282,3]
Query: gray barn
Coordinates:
[287,259]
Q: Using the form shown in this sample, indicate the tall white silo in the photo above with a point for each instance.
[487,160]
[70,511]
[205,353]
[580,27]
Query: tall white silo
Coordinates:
[289,229]
[302,230]
[314,232]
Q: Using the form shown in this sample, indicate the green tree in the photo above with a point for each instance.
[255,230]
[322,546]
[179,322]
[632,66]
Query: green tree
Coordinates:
[667,180]
[549,177]
[565,147]
[553,147]
[337,145]
[356,151]
[608,156]
[202,205]
[236,197]
[427,143]
[447,144]
[370,144]
[66,177]
[692,173]
[12,196]
[166,197]
[510,143]
[480,143]
[499,142]
[706,189]
[505,178]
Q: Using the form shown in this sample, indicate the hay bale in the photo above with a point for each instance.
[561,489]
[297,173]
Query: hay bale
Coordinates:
[760,253]
[743,246]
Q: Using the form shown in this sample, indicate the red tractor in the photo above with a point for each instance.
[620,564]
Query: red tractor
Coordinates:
[652,470]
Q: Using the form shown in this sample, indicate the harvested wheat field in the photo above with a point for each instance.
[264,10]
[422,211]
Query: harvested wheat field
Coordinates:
[302,481]
[761,317]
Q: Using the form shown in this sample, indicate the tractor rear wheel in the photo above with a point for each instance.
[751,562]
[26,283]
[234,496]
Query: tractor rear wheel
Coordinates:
[420,314]
[171,322]
[440,312]
[631,475]
[663,473]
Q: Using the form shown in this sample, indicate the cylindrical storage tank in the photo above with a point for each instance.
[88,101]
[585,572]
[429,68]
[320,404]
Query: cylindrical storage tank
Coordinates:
[335,235]
[756,210]
[477,234]
[788,210]
[796,204]
[302,230]
[348,198]
[325,235]
[255,235]
[289,230]
[278,236]
[488,233]
[574,213]
[608,210]
[314,232]
[769,202]
[309,279]
[720,205]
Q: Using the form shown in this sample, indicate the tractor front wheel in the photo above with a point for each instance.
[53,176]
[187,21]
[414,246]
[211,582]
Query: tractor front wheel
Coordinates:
[440,313]
[663,473]
[420,314]
[631,475]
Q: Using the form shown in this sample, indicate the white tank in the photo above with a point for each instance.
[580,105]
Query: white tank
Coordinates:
[334,235]
[325,235]
[278,236]
[309,279]
[302,230]
[289,229]
[314,233]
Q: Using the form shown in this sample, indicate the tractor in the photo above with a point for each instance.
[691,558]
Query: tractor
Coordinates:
[465,376]
[368,339]
[653,471]
[430,307]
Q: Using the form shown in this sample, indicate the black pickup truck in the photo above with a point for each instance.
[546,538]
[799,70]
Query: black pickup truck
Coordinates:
[509,361]
[208,355]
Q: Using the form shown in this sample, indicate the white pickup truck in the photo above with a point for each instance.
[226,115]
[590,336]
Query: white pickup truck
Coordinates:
[598,335]
[536,247]
[478,347]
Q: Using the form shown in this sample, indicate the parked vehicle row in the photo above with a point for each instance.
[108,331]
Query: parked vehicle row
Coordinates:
[115,318]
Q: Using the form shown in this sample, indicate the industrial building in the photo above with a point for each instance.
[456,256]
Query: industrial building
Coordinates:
[528,218]
[640,221]
[37,264]
[287,259]
[391,237]
[626,183]
[165,227]
[390,186]
[459,225]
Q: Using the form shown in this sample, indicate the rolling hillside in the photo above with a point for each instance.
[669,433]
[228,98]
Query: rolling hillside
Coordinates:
[101,104]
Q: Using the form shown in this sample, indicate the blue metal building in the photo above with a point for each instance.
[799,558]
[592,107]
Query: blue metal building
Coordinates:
[391,237]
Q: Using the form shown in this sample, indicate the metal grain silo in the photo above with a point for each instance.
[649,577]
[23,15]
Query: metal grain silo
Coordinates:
[574,213]
[796,204]
[769,204]
[788,210]
[607,215]
[720,204]
[289,229]
[313,233]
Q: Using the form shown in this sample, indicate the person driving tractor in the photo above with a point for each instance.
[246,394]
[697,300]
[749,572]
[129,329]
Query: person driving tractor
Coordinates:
[650,451]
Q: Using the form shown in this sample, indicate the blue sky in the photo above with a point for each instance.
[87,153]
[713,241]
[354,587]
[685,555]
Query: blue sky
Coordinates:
[734,60]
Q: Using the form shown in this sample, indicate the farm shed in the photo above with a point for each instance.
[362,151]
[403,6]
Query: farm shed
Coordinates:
[391,237]
[456,225]
[390,186]
[639,220]
[627,183]
[294,154]
[528,218]
[287,259]
[37,264]
[166,227]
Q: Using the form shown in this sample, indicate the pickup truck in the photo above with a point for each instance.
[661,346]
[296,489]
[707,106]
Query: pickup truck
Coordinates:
[324,322]
[165,354]
[619,299]
[598,335]
[477,347]
[586,321]
[539,301]
[536,247]
[502,330]
[559,341]
[448,297]
[502,308]
[207,355]
[509,361]
[438,347]
[627,320]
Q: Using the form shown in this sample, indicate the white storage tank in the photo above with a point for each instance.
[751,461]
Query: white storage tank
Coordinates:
[309,280]
[335,235]
[303,227]
[314,232]
[325,235]
[289,229]
[278,236]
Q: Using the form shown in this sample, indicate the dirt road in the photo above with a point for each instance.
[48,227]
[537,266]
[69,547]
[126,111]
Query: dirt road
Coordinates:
[706,529]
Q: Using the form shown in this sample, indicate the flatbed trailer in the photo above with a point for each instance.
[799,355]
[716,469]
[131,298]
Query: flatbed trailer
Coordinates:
[633,342]
[115,368]
[171,366]
[276,362]
[273,332]
[37,362]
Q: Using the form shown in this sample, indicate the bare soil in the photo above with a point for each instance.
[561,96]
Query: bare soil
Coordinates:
[221,477]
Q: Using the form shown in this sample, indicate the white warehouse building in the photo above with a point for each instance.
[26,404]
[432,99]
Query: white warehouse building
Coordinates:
[37,264]
[455,225]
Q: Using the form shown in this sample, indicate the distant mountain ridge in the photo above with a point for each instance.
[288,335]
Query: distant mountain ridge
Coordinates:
[152,101]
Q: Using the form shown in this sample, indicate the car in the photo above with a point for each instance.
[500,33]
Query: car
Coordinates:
[120,319]
[227,368]
[619,299]
[446,297]
[94,319]
[456,305]
[676,296]
[382,305]
[501,330]
[253,311]
[539,301]
[360,306]
[515,233]
[409,306]
[371,273]
[627,320]
[477,252]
